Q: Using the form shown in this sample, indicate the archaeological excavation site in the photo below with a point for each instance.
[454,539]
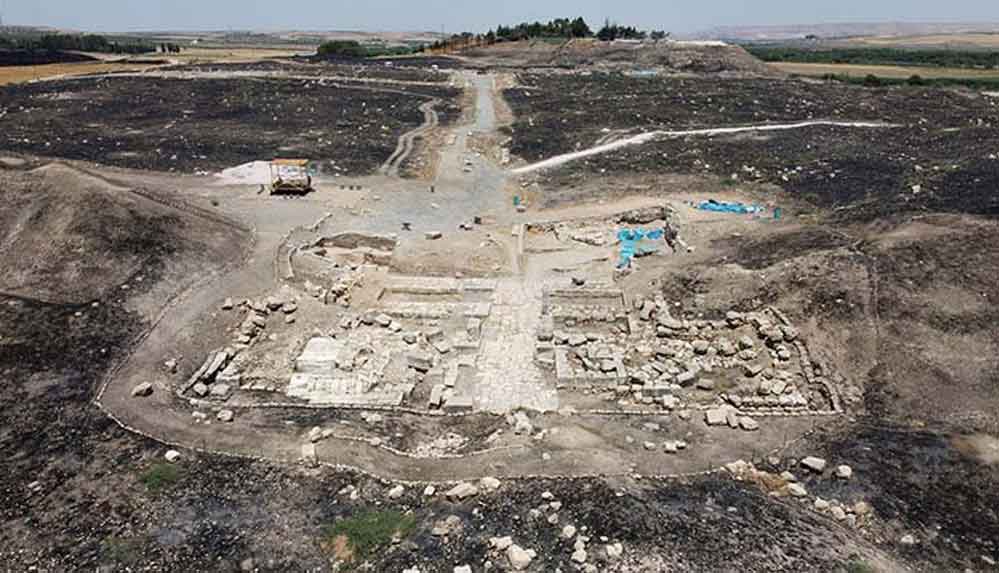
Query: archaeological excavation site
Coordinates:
[588,306]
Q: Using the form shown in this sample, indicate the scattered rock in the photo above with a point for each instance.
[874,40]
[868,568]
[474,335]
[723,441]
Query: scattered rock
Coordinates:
[522,424]
[228,304]
[501,543]
[519,558]
[172,456]
[716,417]
[142,390]
[797,490]
[462,491]
[220,390]
[429,491]
[615,551]
[433,235]
[225,416]
[396,492]
[446,526]
[489,484]
[862,508]
[844,472]
[908,539]
[463,569]
[748,424]
[674,446]
[812,463]
[568,532]
[315,434]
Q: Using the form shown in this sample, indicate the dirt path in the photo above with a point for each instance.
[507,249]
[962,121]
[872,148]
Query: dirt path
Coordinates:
[652,135]
[408,140]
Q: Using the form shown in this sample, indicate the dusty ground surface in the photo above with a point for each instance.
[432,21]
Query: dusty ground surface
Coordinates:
[109,274]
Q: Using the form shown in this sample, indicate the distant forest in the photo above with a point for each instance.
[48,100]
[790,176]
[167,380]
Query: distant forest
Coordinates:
[80,43]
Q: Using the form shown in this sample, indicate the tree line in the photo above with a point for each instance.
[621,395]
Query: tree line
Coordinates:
[77,42]
[354,49]
[877,56]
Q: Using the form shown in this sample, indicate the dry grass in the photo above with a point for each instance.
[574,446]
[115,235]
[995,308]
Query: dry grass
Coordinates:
[191,55]
[881,71]
[932,40]
[20,74]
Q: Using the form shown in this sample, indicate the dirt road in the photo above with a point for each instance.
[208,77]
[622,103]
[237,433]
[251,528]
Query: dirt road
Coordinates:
[647,137]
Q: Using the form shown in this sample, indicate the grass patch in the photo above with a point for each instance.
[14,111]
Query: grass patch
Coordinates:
[359,536]
[160,476]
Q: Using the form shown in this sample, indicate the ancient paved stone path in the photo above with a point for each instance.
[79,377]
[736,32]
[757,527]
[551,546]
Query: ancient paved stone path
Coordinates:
[508,377]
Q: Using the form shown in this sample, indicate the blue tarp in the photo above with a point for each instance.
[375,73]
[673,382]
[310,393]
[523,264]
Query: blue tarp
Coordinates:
[636,242]
[723,207]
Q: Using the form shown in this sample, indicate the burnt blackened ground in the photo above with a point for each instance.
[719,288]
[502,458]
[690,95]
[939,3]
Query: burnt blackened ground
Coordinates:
[353,68]
[919,484]
[942,157]
[211,124]
[712,524]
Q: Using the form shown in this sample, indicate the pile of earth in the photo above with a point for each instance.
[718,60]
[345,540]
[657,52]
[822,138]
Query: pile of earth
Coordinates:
[69,236]
[667,56]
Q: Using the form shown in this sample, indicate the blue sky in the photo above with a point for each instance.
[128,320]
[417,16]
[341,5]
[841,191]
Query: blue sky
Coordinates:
[459,15]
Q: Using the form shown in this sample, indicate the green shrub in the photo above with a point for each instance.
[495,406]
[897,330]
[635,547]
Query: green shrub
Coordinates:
[160,476]
[366,532]
[345,48]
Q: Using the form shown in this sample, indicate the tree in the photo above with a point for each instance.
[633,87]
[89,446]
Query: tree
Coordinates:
[343,48]
[580,29]
[612,31]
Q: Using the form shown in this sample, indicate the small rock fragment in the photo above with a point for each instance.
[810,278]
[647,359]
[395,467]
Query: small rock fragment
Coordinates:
[142,390]
[812,463]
